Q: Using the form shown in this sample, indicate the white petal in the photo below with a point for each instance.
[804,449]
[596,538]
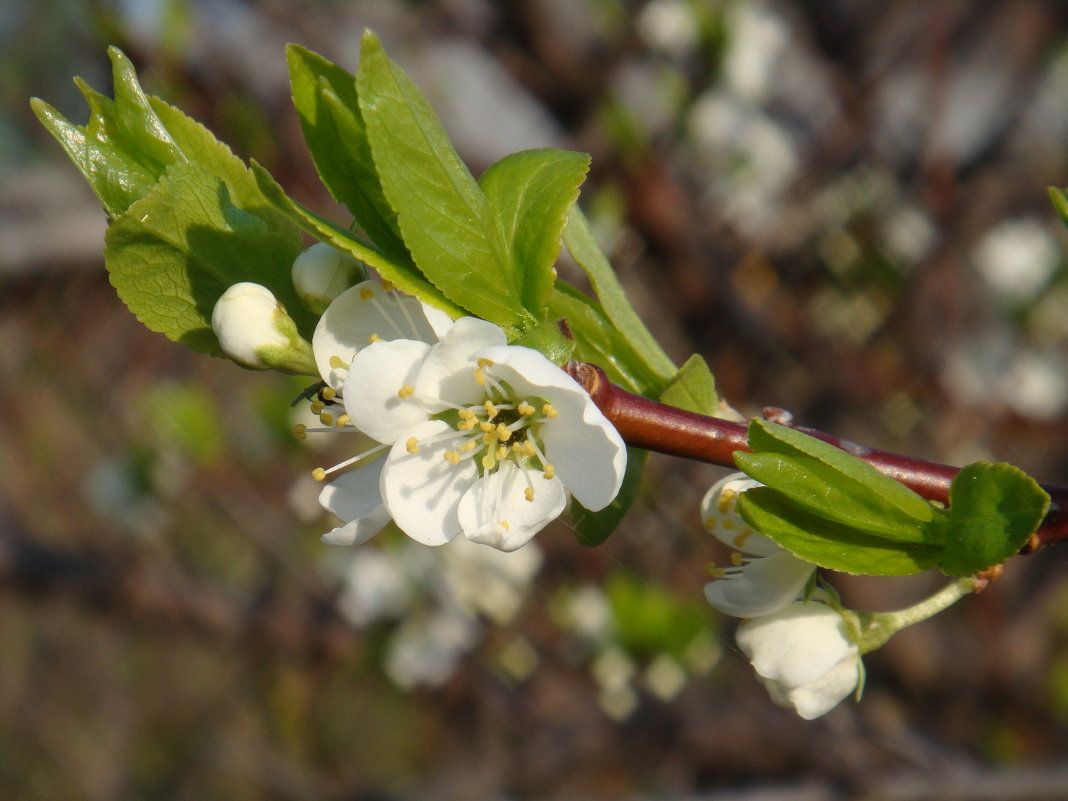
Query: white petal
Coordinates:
[438,320]
[449,369]
[764,585]
[589,455]
[355,499]
[422,490]
[371,389]
[495,510]
[357,314]
[720,516]
[821,696]
[796,645]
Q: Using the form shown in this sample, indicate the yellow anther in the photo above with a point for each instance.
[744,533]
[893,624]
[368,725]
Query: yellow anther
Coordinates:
[528,493]
[488,461]
[343,421]
[317,406]
[374,338]
[726,500]
[504,524]
[525,409]
[338,363]
[412,445]
[487,426]
[489,438]
[466,414]
[300,431]
[326,419]
[549,470]
[711,521]
[503,433]
[491,410]
[469,446]
[367,293]
[480,377]
[327,393]
[529,449]
[502,452]
[406,391]
[318,474]
[549,411]
[485,362]
[737,559]
[452,457]
[388,286]
[714,571]
[466,425]
[729,523]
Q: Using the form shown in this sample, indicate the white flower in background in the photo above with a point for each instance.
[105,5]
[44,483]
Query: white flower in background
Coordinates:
[255,331]
[487,581]
[487,438]
[804,656]
[321,273]
[764,577]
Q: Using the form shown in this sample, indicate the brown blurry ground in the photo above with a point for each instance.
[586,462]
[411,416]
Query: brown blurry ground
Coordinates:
[803,192]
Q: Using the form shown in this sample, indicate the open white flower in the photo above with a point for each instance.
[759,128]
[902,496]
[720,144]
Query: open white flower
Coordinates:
[764,578]
[487,438]
[804,656]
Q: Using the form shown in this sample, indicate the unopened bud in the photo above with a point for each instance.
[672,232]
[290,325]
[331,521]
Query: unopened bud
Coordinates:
[256,332]
[322,272]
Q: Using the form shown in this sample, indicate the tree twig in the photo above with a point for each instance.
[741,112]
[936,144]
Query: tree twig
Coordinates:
[654,426]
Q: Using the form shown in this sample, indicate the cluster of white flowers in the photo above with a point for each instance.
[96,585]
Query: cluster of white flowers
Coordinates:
[801,646]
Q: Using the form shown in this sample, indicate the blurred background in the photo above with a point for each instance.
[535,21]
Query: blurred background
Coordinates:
[841,205]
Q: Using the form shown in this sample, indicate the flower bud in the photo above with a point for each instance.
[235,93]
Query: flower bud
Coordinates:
[256,332]
[322,272]
[805,656]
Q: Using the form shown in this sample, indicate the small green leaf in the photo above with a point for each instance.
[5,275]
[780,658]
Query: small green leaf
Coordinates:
[651,619]
[533,191]
[452,232]
[834,484]
[593,528]
[828,544]
[406,277]
[693,388]
[598,342]
[584,249]
[1059,197]
[993,509]
[174,252]
[325,99]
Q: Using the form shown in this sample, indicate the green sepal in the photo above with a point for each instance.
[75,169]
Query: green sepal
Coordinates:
[548,339]
[993,510]
[829,544]
[454,235]
[532,192]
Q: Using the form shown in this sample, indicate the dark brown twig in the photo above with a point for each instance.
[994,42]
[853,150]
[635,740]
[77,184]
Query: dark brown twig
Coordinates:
[654,426]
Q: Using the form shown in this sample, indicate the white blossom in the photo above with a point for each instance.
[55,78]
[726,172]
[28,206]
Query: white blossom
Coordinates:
[804,656]
[321,273]
[764,578]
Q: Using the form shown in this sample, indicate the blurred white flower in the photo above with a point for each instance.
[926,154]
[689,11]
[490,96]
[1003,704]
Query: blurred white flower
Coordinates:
[764,577]
[425,650]
[669,25]
[804,656]
[1017,259]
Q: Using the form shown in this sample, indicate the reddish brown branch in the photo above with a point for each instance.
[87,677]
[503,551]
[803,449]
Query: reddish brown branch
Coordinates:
[654,426]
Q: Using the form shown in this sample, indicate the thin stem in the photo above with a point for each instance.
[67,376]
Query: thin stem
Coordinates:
[654,426]
[878,627]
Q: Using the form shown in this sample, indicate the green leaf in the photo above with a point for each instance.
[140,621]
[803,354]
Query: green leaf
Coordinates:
[175,251]
[1059,197]
[693,388]
[993,510]
[593,528]
[324,95]
[584,249]
[651,620]
[452,232]
[829,544]
[124,148]
[532,192]
[835,485]
[406,277]
[598,342]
